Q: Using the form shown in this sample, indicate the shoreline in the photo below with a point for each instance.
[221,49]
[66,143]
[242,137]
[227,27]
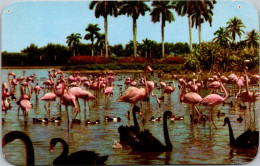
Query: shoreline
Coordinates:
[254,71]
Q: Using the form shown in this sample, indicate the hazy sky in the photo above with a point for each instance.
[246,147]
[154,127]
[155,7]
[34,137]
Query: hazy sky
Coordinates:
[41,22]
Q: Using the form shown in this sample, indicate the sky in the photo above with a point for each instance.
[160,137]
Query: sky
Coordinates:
[43,22]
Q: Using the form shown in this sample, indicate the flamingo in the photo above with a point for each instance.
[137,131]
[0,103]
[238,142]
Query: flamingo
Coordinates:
[83,94]
[26,106]
[213,100]
[133,94]
[6,94]
[190,97]
[247,95]
[109,90]
[37,89]
[240,83]
[49,97]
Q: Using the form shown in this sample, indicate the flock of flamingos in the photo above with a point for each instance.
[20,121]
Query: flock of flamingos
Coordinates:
[76,87]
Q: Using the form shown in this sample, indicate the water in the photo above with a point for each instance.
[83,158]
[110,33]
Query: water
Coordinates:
[192,144]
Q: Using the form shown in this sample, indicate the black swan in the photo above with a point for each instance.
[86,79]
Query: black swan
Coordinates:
[9,137]
[145,141]
[249,139]
[125,131]
[76,158]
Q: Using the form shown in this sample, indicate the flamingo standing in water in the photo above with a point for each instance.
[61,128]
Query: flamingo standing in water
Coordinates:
[133,94]
[83,94]
[192,98]
[5,93]
[213,100]
[247,95]
[49,97]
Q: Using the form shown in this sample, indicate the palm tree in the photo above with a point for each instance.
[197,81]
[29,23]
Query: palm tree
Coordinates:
[234,27]
[203,12]
[104,8]
[93,32]
[187,7]
[101,41]
[134,9]
[162,9]
[222,37]
[73,41]
[147,46]
[252,38]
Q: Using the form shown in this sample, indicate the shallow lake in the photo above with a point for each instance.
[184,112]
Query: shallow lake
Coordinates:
[192,143]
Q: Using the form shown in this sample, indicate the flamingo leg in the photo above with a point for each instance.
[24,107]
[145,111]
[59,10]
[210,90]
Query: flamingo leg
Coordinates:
[211,119]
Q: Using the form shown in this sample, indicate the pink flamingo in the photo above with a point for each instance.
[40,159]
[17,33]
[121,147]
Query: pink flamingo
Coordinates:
[213,100]
[168,89]
[49,97]
[83,94]
[247,95]
[26,106]
[133,94]
[6,93]
[192,98]
[241,82]
[37,89]
[25,97]
[109,90]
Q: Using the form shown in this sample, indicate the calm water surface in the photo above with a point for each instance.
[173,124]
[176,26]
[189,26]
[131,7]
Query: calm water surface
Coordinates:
[192,144]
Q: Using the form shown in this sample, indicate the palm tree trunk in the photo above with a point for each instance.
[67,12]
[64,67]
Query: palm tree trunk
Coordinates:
[146,54]
[106,42]
[199,29]
[190,31]
[162,37]
[134,37]
[92,49]
[101,52]
[74,52]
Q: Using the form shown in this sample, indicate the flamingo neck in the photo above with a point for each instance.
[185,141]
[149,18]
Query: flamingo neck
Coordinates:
[145,82]
[9,82]
[226,93]
[183,92]
[166,133]
[247,84]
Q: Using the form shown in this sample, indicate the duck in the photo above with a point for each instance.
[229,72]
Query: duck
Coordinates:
[37,120]
[240,119]
[242,107]
[229,103]
[56,120]
[220,114]
[117,145]
[76,121]
[82,157]
[248,139]
[112,119]
[87,122]
[173,118]
[153,119]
